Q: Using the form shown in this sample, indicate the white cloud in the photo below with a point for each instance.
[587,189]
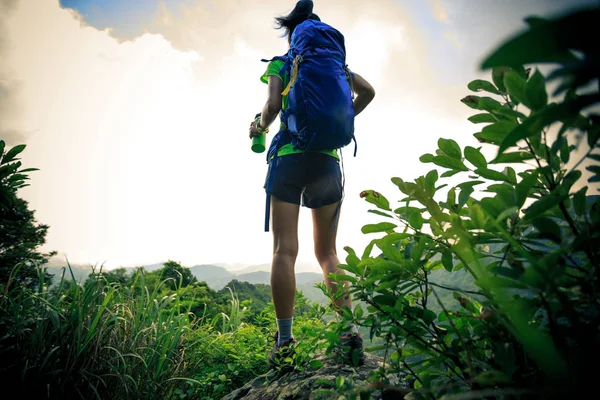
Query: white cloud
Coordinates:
[453,39]
[440,12]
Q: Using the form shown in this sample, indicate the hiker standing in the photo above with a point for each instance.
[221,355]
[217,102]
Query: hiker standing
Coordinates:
[314,92]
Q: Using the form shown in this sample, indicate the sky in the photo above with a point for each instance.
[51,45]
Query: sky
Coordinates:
[136,114]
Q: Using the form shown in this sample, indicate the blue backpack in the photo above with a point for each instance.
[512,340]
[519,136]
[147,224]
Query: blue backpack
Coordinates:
[320,112]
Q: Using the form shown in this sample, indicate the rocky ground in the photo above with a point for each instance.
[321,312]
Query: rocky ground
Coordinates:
[316,384]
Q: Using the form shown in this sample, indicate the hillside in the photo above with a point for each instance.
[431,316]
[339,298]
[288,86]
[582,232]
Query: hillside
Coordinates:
[217,278]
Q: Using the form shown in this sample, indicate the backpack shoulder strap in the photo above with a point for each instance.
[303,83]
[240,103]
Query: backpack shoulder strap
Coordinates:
[287,62]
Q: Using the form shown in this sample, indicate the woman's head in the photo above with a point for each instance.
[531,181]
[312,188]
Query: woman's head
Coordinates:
[300,13]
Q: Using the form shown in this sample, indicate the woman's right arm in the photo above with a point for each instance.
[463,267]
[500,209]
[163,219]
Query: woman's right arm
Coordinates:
[364,93]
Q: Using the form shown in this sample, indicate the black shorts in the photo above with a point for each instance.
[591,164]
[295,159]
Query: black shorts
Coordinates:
[311,179]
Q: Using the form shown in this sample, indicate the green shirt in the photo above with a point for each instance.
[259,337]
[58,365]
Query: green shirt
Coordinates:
[273,69]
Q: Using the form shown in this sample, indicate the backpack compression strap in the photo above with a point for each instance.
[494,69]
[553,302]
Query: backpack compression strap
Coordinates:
[294,76]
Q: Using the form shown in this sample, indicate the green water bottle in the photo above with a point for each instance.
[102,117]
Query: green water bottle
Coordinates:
[259,142]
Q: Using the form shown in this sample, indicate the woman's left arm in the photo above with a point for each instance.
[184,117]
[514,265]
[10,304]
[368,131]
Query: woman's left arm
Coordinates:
[272,106]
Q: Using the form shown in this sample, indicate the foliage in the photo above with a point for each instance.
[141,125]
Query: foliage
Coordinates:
[99,340]
[125,335]
[253,297]
[177,276]
[20,234]
[528,234]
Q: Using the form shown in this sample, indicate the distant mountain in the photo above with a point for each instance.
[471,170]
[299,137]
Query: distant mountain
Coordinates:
[58,266]
[203,272]
[254,268]
[218,278]
[307,278]
[152,267]
[255,277]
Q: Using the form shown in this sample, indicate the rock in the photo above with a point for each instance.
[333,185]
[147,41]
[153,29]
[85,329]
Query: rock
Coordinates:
[307,385]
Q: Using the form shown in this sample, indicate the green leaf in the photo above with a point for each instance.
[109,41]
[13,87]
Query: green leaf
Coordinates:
[407,188]
[29,170]
[450,173]
[491,174]
[406,210]
[515,84]
[471,101]
[488,104]
[579,201]
[451,197]
[450,148]
[478,216]
[450,163]
[447,260]
[430,179]
[480,84]
[517,157]
[426,158]
[377,199]
[416,220]
[525,187]
[592,136]
[506,213]
[2,145]
[380,227]
[565,152]
[381,213]
[509,113]
[464,195]
[535,92]
[316,364]
[548,228]
[551,113]
[475,157]
[482,118]
[18,177]
[496,133]
[543,205]
[512,176]
[593,169]
[12,153]
[385,299]
[498,77]
[570,180]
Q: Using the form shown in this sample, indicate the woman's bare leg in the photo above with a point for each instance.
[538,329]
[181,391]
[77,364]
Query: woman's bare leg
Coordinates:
[285,250]
[325,249]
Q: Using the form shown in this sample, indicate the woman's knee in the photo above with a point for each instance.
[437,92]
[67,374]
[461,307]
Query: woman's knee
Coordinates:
[288,250]
[325,255]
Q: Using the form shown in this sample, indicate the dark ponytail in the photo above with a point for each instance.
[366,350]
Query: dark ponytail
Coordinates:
[300,13]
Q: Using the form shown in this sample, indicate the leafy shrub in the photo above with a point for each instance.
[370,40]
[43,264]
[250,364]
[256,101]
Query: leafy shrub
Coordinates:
[528,234]
[20,234]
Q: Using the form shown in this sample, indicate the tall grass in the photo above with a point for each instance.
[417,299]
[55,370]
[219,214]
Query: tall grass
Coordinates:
[96,340]
[231,322]
[102,340]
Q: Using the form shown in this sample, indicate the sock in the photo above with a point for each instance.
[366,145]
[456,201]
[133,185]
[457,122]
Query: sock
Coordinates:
[353,329]
[284,326]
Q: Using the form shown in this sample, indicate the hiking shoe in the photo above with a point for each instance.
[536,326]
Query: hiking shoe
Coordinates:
[279,353]
[352,349]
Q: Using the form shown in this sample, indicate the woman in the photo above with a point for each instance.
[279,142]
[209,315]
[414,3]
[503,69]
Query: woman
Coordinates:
[314,180]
